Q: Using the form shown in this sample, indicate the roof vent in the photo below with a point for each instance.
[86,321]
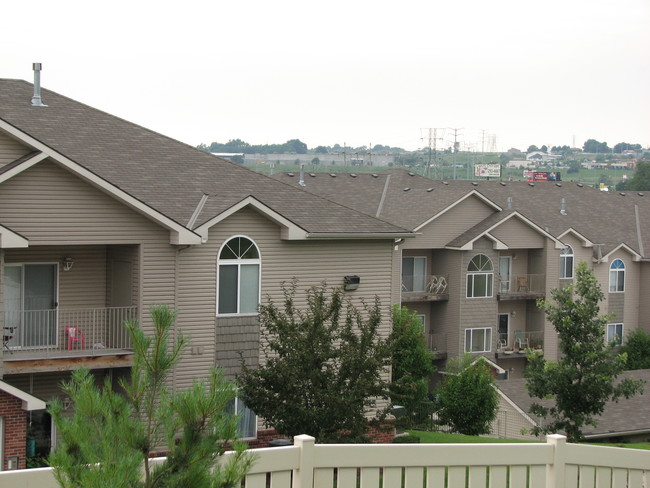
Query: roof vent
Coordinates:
[429,190]
[445,182]
[530,183]
[641,194]
[474,183]
[333,175]
[36,99]
[291,174]
[622,193]
[509,203]
[375,175]
[407,188]
[579,185]
[563,207]
[411,174]
[353,175]
[302,175]
[313,175]
[558,184]
[502,183]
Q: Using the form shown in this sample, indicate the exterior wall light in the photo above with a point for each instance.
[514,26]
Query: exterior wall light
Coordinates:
[351,282]
[68,263]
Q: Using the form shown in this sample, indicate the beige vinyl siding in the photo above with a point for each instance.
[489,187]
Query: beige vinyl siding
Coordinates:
[644,291]
[310,262]
[10,149]
[478,312]
[451,224]
[50,206]
[518,235]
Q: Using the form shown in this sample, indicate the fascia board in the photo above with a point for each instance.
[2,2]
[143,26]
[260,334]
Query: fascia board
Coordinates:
[487,201]
[635,255]
[11,240]
[30,402]
[178,233]
[290,231]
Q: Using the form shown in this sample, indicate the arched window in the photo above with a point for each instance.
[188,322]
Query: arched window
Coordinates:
[617,276]
[480,275]
[239,277]
[566,262]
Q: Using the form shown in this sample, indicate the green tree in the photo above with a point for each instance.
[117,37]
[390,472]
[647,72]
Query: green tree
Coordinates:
[468,398]
[323,366]
[411,361]
[532,148]
[583,380]
[593,146]
[640,181]
[108,439]
[637,348]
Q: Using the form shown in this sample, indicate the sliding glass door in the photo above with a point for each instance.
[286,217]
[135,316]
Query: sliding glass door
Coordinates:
[30,294]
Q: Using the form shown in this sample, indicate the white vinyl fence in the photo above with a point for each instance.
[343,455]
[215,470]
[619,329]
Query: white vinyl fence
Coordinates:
[554,464]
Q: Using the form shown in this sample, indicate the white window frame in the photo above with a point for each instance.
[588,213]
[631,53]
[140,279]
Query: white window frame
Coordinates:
[483,271]
[239,263]
[612,328]
[237,402]
[566,255]
[505,285]
[617,277]
[424,276]
[487,339]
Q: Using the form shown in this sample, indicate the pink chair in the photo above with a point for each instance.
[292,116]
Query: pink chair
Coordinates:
[75,335]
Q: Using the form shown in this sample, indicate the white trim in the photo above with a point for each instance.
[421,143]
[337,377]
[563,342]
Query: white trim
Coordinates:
[619,272]
[484,339]
[11,240]
[516,407]
[290,231]
[30,402]
[178,233]
[635,255]
[585,241]
[238,263]
[481,197]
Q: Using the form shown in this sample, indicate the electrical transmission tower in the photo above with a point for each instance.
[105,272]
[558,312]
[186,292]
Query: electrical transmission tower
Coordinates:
[432,161]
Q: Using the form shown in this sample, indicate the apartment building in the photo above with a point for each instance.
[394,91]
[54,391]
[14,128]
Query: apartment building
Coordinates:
[100,219]
[486,251]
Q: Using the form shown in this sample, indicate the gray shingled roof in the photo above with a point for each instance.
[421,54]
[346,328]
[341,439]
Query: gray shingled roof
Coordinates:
[606,218]
[628,414]
[165,174]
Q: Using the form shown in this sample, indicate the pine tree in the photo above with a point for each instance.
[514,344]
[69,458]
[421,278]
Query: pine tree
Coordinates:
[108,439]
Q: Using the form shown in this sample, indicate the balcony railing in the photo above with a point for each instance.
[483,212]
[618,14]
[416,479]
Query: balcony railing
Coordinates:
[424,287]
[522,286]
[520,340]
[57,332]
[437,342]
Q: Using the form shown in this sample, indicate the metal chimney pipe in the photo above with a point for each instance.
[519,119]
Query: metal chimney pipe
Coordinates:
[36,99]
[301,182]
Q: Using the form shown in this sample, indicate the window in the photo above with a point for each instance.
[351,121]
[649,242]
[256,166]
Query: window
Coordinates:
[479,277]
[566,262]
[420,320]
[615,333]
[478,340]
[617,276]
[247,426]
[414,270]
[239,277]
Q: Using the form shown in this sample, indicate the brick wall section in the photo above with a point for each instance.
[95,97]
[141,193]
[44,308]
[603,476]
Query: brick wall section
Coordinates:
[15,431]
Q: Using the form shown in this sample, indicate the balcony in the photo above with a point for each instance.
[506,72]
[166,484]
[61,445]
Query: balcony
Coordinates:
[437,343]
[60,339]
[522,287]
[425,288]
[520,343]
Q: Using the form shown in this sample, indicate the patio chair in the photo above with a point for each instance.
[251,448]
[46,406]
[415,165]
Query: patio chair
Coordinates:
[7,335]
[75,335]
[521,339]
[522,283]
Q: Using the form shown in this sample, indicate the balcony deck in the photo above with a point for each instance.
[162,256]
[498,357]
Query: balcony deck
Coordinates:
[522,287]
[425,288]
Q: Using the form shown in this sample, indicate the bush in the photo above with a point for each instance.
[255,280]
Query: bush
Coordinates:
[406,439]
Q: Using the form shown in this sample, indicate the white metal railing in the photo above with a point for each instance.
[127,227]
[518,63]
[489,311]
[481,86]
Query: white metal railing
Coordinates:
[425,284]
[522,283]
[49,331]
[554,464]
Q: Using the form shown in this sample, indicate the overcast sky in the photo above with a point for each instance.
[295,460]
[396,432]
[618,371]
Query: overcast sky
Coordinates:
[508,73]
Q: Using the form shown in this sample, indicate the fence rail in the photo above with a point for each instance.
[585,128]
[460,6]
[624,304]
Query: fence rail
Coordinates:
[554,464]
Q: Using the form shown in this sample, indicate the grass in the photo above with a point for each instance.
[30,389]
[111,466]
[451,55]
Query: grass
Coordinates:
[442,438]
